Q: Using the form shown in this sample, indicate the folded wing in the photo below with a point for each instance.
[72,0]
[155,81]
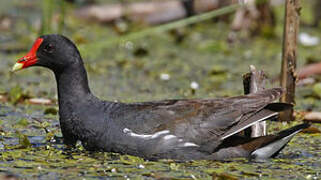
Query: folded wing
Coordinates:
[203,121]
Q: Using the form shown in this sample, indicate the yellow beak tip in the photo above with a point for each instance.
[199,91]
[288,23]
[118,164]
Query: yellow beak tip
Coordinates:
[16,67]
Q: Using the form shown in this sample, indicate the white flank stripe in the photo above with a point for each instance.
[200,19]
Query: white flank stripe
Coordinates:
[160,133]
[145,136]
[167,137]
[189,144]
[127,131]
[262,119]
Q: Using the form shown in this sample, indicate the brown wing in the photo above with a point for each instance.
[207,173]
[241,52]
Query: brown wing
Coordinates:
[200,121]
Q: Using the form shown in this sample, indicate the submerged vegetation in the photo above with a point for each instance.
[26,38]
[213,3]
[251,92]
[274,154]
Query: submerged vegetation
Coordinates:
[194,61]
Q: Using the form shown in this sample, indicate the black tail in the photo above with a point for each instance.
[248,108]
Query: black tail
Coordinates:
[273,146]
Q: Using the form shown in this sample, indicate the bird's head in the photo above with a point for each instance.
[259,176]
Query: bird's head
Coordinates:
[53,51]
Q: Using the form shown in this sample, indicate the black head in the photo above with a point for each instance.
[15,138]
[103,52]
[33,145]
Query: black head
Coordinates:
[53,51]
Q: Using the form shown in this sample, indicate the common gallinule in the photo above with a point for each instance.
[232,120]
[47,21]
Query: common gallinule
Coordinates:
[176,129]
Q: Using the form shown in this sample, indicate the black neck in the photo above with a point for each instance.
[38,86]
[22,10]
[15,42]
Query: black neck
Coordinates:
[72,83]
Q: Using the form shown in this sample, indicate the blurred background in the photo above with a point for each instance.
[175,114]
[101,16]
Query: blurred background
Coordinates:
[141,50]
[129,60]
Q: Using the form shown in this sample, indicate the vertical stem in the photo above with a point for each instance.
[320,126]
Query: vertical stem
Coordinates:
[288,77]
[61,22]
[47,9]
[254,82]
[317,13]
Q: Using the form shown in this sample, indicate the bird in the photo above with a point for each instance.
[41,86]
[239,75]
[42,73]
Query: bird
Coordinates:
[180,129]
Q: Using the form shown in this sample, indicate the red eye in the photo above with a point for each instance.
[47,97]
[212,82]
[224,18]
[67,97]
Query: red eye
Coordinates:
[49,48]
